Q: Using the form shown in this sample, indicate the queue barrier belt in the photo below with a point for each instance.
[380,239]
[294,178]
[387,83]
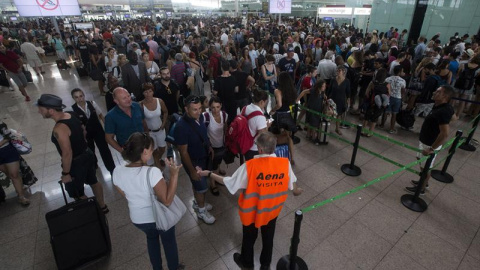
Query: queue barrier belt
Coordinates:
[369,183]
[353,125]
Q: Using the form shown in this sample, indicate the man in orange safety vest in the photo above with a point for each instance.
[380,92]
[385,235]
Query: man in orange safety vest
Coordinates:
[265,181]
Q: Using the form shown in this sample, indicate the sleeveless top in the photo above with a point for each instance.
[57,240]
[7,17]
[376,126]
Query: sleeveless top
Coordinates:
[77,140]
[153,118]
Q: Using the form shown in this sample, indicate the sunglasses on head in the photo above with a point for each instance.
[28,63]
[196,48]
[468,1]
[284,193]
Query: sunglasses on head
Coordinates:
[194,99]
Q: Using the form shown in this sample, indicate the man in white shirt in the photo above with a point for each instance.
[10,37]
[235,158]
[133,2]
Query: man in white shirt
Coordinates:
[30,52]
[396,62]
[224,38]
[253,56]
[327,69]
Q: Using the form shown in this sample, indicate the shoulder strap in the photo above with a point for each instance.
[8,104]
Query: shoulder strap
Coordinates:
[253,114]
[224,114]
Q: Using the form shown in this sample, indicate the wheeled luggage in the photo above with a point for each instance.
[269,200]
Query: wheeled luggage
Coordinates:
[78,233]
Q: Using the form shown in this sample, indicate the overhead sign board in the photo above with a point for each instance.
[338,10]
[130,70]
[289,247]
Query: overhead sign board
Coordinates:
[362,11]
[335,11]
[42,8]
[280,7]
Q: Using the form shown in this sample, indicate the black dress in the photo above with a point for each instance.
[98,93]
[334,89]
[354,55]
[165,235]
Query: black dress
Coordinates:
[339,94]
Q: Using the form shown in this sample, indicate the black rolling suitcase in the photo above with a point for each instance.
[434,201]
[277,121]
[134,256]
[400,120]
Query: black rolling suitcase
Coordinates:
[78,233]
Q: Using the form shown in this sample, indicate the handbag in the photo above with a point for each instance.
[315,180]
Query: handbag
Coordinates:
[20,142]
[165,217]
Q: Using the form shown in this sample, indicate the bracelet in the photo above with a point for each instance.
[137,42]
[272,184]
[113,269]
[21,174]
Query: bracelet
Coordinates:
[210,173]
[65,173]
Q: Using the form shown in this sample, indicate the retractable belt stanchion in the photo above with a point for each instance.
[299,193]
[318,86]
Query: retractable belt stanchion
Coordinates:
[292,261]
[351,169]
[325,131]
[466,145]
[442,175]
[295,117]
[413,202]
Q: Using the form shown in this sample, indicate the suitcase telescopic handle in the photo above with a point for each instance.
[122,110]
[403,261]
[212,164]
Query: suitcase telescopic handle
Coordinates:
[63,192]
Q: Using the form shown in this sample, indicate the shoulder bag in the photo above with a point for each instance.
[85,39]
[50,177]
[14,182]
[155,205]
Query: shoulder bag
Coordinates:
[165,217]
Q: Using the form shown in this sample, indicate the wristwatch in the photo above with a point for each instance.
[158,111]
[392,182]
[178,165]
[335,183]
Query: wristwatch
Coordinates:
[65,173]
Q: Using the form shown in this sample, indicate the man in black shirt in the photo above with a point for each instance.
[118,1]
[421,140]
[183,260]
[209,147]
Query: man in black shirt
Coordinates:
[168,91]
[435,128]
[226,87]
[78,161]
[244,81]
[83,52]
[288,64]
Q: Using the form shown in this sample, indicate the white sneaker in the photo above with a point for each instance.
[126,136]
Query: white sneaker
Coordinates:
[195,207]
[206,217]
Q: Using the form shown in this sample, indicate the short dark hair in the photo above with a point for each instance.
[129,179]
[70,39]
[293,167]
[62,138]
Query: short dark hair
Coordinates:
[397,70]
[447,90]
[74,90]
[214,99]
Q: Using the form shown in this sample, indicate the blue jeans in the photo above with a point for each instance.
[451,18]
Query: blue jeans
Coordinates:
[153,242]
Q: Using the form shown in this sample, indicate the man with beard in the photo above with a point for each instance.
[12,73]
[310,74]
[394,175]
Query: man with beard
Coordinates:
[78,161]
[168,91]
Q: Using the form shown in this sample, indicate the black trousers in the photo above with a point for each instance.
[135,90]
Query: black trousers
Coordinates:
[250,234]
[98,137]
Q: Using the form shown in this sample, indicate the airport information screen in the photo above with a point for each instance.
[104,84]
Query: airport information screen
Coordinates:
[42,8]
[280,6]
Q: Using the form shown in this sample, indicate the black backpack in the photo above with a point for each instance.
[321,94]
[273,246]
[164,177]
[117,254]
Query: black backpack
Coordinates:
[261,59]
[467,78]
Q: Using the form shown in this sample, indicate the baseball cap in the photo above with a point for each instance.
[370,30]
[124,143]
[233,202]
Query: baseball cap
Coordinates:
[290,49]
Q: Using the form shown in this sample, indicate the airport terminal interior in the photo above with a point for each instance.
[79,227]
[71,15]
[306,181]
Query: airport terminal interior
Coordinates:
[349,222]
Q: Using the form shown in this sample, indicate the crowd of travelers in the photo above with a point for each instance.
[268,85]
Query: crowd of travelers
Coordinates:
[183,83]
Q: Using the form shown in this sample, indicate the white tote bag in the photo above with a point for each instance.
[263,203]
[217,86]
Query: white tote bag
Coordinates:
[166,217]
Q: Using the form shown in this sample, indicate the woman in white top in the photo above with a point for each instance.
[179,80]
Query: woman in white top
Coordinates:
[156,114]
[257,124]
[111,60]
[152,67]
[216,123]
[131,182]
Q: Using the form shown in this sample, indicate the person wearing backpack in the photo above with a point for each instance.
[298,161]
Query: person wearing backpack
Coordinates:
[467,74]
[246,126]
[216,123]
[424,102]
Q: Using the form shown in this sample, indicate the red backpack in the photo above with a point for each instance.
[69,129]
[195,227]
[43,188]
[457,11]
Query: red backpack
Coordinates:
[238,138]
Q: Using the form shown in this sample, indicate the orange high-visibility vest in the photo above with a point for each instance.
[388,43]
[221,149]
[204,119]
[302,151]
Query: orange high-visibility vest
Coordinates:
[266,190]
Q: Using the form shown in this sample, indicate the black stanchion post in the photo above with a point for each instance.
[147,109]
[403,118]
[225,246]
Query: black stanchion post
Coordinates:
[466,145]
[442,175]
[413,202]
[292,261]
[351,169]
[295,139]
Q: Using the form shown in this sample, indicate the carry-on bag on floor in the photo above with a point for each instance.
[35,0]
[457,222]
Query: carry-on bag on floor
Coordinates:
[62,64]
[406,118]
[78,233]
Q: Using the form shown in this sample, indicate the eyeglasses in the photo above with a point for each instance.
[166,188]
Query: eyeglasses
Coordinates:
[169,91]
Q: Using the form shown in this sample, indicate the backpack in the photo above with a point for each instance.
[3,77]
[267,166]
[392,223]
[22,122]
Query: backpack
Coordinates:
[219,65]
[170,138]
[261,59]
[164,51]
[467,78]
[238,138]
[124,42]
[406,118]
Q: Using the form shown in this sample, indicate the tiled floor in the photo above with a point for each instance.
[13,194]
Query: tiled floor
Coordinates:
[370,229]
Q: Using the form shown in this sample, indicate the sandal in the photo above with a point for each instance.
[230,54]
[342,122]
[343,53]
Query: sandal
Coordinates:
[23,201]
[105,209]
[214,191]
